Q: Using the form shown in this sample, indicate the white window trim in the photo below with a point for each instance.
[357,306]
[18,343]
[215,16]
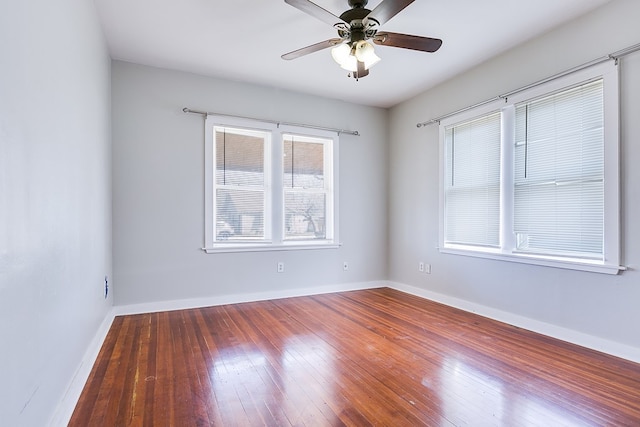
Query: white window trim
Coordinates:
[611,251]
[274,216]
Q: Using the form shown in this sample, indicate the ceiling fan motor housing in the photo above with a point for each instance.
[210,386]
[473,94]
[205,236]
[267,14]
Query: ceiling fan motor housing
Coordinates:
[355,14]
[355,17]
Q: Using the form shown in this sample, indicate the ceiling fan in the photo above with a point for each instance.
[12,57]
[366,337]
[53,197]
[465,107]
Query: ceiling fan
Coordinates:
[356,27]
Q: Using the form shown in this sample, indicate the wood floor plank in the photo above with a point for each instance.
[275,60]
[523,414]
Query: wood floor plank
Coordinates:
[372,357]
[520,369]
[315,364]
[299,393]
[367,361]
[296,406]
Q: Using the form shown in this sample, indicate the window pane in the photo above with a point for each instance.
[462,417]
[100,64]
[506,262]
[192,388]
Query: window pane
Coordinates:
[239,157]
[559,173]
[305,215]
[472,187]
[560,219]
[239,214]
[306,190]
[303,163]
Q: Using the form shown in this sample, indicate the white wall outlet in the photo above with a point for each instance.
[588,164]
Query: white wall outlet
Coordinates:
[427,268]
[421,267]
[281,267]
[345,266]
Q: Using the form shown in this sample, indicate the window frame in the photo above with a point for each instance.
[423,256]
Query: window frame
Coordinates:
[610,262]
[274,216]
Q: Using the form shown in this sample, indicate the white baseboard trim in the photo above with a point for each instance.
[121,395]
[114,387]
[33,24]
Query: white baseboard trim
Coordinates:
[182,304]
[569,335]
[64,410]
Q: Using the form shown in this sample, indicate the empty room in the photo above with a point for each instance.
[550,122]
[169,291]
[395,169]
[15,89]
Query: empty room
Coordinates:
[319,213]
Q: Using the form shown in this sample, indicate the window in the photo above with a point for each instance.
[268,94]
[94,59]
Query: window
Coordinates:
[535,179]
[268,187]
[307,188]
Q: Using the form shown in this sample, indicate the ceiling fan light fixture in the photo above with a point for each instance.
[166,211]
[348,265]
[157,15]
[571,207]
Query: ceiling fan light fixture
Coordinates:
[348,56]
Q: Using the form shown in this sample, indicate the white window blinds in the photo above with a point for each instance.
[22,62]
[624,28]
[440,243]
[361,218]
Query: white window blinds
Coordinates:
[472,182]
[559,173]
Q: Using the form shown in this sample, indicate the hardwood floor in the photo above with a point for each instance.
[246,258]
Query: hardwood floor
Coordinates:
[373,357]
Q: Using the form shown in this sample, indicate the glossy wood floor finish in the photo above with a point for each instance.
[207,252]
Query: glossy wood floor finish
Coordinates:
[373,357]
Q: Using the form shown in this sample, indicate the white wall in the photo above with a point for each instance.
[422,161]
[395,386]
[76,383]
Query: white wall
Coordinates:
[55,200]
[158,195]
[595,304]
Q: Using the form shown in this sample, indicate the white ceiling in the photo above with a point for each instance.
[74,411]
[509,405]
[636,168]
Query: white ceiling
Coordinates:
[243,40]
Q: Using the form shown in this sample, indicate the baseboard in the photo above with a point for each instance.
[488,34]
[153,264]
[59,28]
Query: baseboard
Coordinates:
[64,410]
[589,341]
[182,304]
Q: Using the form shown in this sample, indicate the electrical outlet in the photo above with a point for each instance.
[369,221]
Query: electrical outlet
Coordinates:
[281,267]
[421,267]
[106,287]
[345,266]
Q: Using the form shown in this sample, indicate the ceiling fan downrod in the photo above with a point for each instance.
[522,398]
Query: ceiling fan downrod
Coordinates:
[358,3]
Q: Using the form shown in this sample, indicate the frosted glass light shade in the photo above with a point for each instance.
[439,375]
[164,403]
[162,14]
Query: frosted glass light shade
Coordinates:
[365,53]
[342,55]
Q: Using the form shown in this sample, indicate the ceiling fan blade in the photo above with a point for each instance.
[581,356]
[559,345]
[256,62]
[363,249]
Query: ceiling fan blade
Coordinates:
[387,10]
[313,48]
[314,10]
[406,41]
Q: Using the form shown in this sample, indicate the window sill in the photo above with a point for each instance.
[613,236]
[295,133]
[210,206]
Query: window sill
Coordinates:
[269,247]
[546,261]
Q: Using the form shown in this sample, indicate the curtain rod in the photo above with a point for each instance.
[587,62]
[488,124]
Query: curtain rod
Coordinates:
[338,131]
[612,56]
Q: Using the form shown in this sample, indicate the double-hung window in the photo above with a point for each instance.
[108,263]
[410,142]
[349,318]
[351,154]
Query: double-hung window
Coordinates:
[268,186]
[534,178]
